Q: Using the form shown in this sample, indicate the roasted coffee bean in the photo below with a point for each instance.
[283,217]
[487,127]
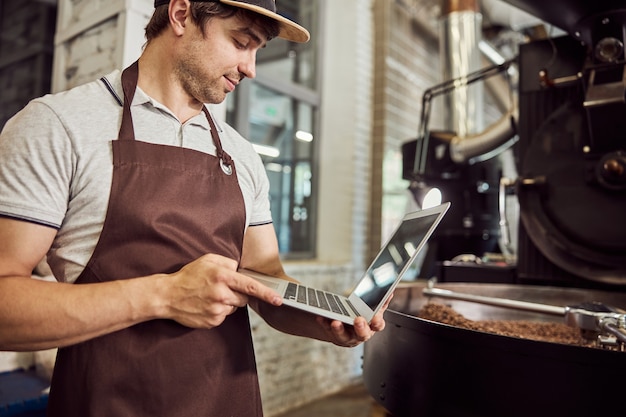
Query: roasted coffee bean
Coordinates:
[533,330]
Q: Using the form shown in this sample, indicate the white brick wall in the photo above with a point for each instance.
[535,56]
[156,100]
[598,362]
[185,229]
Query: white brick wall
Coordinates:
[361,174]
[95,37]
[89,56]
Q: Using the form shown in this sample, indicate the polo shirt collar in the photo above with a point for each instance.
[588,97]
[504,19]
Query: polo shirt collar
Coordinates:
[141,98]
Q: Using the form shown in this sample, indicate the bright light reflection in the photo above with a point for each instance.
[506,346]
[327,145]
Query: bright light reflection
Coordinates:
[266,150]
[432,198]
[409,247]
[274,167]
[304,136]
[384,274]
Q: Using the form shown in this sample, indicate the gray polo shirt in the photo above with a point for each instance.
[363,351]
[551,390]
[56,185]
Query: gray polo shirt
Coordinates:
[56,163]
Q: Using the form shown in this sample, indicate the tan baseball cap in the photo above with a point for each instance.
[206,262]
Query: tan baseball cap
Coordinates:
[287,29]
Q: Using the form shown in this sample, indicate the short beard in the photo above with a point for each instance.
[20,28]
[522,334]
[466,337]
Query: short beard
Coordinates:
[197,83]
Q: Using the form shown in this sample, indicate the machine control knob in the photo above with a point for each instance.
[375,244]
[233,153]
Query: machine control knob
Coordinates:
[609,49]
[612,170]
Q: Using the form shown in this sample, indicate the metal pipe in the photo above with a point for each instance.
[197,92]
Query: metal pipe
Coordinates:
[485,141]
[498,302]
[460,34]
[497,134]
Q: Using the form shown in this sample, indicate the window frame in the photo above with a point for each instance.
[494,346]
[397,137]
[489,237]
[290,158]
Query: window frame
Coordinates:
[300,94]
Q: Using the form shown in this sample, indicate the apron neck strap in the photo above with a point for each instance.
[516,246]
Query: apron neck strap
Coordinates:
[226,161]
[129,85]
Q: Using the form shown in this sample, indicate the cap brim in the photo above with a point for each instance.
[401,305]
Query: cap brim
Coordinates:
[287,29]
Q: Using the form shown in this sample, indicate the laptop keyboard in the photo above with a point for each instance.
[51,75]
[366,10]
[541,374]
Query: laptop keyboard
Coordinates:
[315,298]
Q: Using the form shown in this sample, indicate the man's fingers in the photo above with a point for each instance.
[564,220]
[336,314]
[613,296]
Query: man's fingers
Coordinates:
[249,286]
[387,302]
[362,329]
[378,322]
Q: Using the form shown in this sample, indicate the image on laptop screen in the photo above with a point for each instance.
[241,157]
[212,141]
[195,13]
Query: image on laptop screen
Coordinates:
[393,259]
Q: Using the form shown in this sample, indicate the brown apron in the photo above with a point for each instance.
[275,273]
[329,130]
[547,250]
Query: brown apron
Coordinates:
[168,206]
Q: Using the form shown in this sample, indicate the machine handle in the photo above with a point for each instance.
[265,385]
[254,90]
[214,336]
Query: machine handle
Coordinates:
[612,327]
[499,302]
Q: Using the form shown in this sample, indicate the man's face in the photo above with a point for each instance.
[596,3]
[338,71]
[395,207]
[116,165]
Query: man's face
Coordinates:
[212,66]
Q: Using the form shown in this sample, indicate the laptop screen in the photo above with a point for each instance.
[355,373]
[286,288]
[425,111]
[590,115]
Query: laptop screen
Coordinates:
[396,257]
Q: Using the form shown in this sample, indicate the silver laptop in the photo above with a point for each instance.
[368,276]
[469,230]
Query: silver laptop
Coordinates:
[378,282]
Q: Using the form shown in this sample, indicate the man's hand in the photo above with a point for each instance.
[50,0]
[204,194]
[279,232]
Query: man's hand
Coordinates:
[204,292]
[302,323]
[351,336]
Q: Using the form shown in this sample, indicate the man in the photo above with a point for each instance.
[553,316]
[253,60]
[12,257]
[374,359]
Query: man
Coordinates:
[145,208]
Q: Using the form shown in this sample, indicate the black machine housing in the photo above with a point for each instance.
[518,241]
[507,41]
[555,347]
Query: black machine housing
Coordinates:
[571,153]
[570,158]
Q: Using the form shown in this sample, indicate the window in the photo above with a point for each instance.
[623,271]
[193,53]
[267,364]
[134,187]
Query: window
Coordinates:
[26,43]
[277,112]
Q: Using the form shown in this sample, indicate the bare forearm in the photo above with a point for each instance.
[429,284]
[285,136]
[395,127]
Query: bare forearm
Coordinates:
[290,321]
[40,315]
[300,323]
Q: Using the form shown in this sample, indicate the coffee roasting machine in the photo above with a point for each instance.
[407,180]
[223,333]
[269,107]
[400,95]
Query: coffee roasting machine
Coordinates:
[566,129]
[572,150]
[569,120]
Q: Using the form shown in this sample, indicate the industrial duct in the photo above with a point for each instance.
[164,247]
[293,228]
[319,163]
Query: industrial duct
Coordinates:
[460,43]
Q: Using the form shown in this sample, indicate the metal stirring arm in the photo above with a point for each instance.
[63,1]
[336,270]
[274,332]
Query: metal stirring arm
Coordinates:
[595,320]
[495,301]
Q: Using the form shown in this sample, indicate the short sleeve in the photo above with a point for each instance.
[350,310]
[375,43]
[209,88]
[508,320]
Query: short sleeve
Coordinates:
[261,213]
[36,163]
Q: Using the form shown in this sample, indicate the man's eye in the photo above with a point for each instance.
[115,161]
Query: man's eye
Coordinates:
[240,45]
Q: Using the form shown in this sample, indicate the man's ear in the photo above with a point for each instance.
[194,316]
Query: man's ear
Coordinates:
[179,12]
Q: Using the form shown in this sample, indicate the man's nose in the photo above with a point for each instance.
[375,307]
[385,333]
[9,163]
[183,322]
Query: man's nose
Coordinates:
[247,66]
